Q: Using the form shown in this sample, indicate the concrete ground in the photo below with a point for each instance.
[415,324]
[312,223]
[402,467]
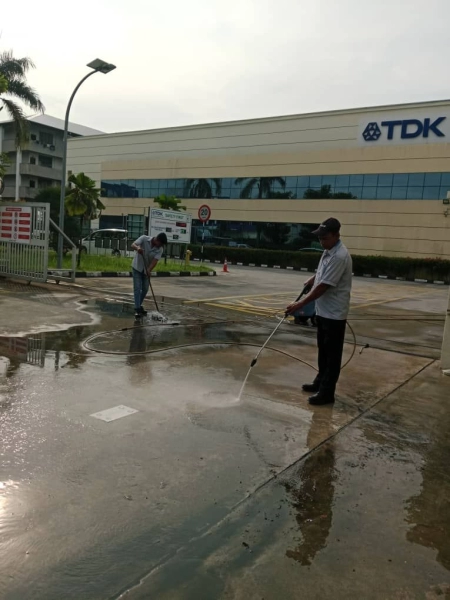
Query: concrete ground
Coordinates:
[202,495]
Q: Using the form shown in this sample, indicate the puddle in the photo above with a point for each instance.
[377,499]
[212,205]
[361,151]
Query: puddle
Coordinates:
[156,336]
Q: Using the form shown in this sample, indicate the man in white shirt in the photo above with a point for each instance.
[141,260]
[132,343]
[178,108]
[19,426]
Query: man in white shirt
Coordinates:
[331,288]
[148,252]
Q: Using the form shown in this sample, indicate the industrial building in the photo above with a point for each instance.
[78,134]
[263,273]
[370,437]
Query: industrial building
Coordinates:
[384,172]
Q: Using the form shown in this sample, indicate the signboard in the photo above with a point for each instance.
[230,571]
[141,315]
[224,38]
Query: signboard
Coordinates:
[408,127]
[176,225]
[15,224]
[204,213]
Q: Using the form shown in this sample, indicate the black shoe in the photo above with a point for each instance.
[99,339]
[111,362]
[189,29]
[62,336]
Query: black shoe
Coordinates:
[319,399]
[310,387]
[138,313]
[143,311]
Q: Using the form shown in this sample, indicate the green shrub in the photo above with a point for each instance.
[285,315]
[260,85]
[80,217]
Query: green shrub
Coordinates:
[431,269]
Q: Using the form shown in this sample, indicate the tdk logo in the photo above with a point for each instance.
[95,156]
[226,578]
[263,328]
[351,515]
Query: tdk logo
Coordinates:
[408,128]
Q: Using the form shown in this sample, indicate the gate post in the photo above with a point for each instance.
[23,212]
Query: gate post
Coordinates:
[445,355]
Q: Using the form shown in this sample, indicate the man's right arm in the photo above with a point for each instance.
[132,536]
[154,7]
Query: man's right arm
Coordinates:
[136,245]
[310,282]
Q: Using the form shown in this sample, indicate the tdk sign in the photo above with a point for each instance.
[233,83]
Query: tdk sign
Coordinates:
[409,129]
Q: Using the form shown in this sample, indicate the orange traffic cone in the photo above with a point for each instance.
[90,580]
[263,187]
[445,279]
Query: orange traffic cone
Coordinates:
[225,267]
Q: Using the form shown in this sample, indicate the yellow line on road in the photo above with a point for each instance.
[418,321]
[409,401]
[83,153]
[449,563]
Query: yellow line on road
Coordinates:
[237,297]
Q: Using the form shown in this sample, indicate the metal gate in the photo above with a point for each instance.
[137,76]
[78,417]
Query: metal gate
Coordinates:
[24,240]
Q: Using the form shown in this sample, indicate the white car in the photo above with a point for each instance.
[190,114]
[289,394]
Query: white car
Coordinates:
[107,242]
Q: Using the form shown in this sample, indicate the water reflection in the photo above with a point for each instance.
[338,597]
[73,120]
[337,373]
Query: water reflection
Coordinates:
[311,491]
[429,511]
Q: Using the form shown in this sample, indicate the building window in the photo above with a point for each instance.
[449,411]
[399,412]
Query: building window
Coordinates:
[32,183]
[32,160]
[33,137]
[46,161]
[395,186]
[46,138]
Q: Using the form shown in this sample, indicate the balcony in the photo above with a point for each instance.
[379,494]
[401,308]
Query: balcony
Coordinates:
[39,171]
[25,192]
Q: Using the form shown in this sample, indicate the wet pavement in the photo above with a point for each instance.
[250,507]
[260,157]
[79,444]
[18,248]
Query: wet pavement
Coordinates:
[195,494]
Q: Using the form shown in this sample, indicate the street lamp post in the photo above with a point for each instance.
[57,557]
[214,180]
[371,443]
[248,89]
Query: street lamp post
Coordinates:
[97,66]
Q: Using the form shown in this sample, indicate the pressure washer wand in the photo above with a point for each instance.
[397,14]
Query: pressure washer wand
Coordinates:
[150,281]
[305,290]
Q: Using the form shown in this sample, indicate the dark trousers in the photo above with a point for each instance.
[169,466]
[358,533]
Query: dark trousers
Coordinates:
[330,341]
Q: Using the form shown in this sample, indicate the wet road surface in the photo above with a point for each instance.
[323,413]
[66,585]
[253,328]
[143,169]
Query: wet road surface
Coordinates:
[197,495]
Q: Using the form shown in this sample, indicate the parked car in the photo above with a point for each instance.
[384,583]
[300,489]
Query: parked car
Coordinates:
[310,250]
[107,242]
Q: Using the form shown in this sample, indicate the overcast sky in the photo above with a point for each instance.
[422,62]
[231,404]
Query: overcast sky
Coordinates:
[193,61]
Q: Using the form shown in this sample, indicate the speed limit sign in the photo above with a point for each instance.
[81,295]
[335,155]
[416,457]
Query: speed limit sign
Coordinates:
[204,213]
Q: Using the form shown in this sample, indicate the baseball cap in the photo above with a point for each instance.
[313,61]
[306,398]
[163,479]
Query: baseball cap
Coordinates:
[330,225]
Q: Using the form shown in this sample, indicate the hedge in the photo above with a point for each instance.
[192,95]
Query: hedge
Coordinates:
[431,269]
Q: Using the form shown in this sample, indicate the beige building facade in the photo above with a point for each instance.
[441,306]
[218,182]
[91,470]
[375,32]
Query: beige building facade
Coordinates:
[384,173]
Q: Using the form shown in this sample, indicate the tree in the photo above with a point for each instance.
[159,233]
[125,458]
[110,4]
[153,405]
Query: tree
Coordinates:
[324,193]
[169,202]
[83,200]
[201,188]
[14,86]
[264,185]
[4,164]
[51,195]
[276,233]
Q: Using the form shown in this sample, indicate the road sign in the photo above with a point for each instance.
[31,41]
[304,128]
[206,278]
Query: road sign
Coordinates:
[204,213]
[176,225]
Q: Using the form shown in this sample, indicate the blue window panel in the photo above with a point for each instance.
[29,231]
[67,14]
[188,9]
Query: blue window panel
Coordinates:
[303,181]
[235,193]
[356,180]
[132,182]
[301,192]
[414,193]
[432,179]
[399,193]
[385,180]
[370,180]
[416,179]
[163,184]
[430,193]
[329,180]
[291,182]
[369,193]
[342,181]
[315,181]
[400,180]
[445,180]
[384,193]
[147,193]
[291,190]
[443,191]
[356,191]
[341,190]
[140,184]
[276,186]
[154,184]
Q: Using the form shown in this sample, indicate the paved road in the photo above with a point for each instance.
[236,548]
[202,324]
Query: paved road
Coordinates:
[198,494]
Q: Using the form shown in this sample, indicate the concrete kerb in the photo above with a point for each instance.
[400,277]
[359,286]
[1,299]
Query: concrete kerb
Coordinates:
[213,273]
[84,274]
[368,275]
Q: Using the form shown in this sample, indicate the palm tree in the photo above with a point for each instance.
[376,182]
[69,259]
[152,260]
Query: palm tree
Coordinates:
[201,188]
[83,200]
[13,86]
[264,185]
[168,202]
